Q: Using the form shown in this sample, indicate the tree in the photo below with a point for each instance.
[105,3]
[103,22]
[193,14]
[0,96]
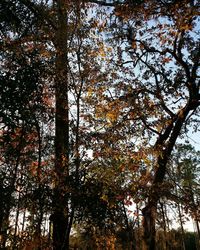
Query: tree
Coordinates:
[161,93]
[185,166]
[52,29]
[125,98]
[21,106]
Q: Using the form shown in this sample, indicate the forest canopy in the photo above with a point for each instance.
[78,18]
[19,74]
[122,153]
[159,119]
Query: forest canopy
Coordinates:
[99,100]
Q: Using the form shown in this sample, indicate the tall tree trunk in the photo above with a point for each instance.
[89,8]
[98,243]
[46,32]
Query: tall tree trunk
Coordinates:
[164,244]
[60,216]
[40,201]
[182,228]
[181,223]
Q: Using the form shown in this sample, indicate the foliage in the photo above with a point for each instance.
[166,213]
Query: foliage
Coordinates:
[95,95]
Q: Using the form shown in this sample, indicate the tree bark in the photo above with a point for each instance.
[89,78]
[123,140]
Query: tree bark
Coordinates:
[60,215]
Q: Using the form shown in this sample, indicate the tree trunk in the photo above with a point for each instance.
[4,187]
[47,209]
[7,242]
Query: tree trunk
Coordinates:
[16,230]
[149,234]
[182,228]
[60,215]
[181,224]
[164,145]
[164,245]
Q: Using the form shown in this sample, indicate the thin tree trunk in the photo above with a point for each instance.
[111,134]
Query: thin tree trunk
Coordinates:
[40,199]
[16,231]
[182,229]
[22,228]
[164,226]
[181,223]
